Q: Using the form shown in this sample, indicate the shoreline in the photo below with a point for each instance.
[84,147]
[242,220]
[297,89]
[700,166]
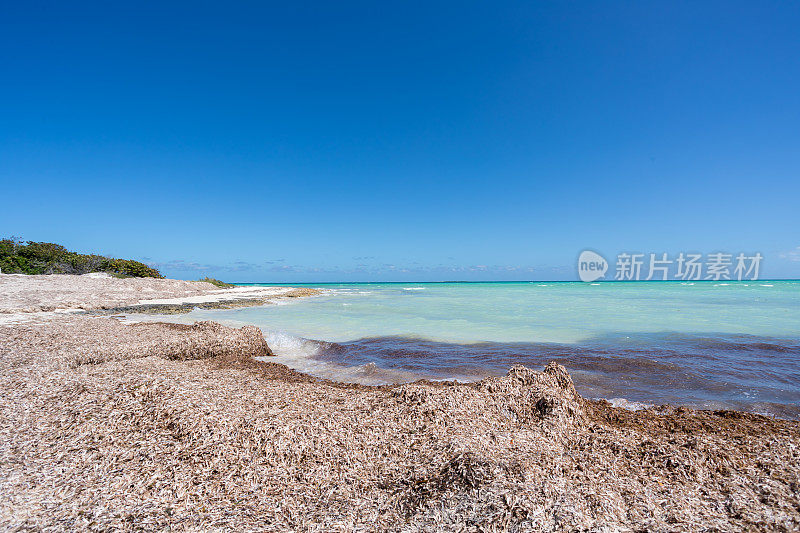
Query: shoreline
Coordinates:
[385,335]
[24,295]
[179,306]
[157,425]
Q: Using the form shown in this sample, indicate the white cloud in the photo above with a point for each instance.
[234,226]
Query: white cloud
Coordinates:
[791,255]
[180,265]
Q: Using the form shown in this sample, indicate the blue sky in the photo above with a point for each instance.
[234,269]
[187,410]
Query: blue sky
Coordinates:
[409,141]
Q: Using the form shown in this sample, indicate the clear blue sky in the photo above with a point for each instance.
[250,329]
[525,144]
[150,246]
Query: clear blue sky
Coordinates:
[401,141]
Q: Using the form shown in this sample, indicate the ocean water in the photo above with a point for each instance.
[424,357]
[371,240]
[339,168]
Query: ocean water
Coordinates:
[699,344]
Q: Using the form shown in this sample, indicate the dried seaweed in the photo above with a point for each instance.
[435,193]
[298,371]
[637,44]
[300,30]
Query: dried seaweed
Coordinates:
[108,426]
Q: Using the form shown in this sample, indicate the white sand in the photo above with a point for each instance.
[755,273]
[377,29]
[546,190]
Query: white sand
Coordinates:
[24,297]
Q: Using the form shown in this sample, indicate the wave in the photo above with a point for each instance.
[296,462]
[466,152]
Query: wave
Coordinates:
[624,403]
[304,355]
[741,372]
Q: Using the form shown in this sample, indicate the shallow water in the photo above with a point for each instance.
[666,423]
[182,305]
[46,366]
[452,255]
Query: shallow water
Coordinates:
[700,344]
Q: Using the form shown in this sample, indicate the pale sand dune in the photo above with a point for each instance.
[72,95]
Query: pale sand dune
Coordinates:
[108,426]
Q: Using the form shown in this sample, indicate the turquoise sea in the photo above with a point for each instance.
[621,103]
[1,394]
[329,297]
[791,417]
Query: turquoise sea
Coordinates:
[701,344]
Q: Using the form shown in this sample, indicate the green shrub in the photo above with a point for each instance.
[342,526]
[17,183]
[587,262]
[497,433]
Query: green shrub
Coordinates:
[217,282]
[45,252]
[132,268]
[15,264]
[17,257]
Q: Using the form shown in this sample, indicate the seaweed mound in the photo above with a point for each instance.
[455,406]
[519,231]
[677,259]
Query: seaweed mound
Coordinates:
[538,396]
[182,342]
[207,339]
[523,397]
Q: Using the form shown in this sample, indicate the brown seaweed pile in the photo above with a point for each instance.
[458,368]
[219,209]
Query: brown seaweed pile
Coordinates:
[153,426]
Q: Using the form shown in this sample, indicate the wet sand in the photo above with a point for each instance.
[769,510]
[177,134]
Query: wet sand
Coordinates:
[107,425]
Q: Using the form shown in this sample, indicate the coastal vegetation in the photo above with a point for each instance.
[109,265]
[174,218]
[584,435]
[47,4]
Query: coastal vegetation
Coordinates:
[217,282]
[20,257]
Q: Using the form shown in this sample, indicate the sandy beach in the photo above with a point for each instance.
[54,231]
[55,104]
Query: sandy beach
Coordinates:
[21,294]
[107,425]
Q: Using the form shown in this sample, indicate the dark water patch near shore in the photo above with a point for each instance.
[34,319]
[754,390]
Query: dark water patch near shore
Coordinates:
[180,308]
[743,372]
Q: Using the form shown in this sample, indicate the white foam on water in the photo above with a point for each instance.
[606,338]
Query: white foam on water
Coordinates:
[300,354]
[622,403]
[291,346]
